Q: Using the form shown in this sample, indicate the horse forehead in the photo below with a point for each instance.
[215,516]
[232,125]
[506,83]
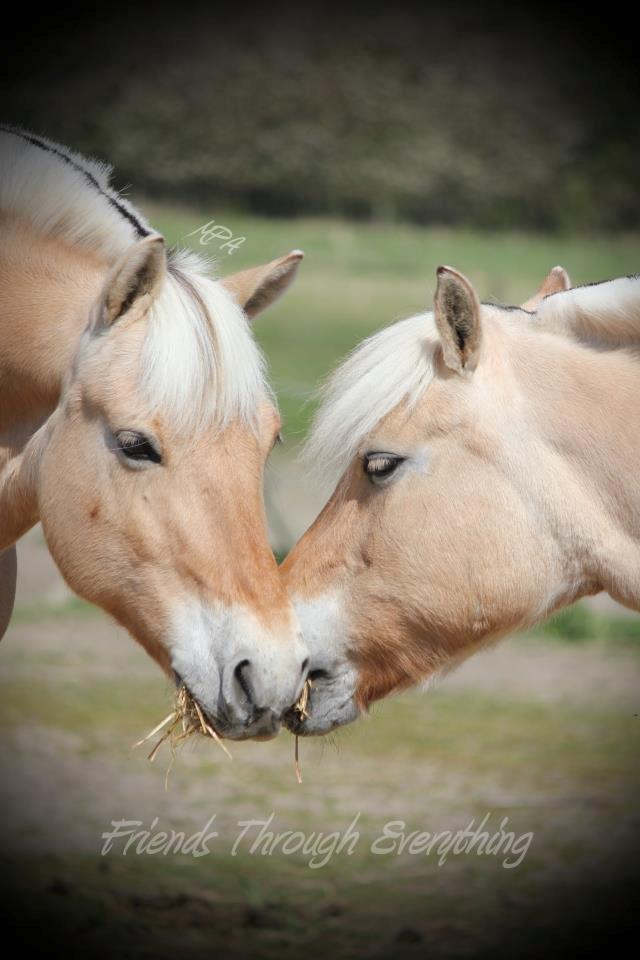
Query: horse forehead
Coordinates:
[438,411]
[111,374]
[112,358]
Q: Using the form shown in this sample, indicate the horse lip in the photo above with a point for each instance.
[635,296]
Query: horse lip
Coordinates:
[220,724]
[294,722]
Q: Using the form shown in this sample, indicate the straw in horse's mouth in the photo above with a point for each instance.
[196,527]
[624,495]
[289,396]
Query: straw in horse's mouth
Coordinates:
[186,719]
[299,711]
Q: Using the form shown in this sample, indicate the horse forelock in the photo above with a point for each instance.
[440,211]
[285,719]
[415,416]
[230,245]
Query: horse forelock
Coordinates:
[394,365]
[199,362]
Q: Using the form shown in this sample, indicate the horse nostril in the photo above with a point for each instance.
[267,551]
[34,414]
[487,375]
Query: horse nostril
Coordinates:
[240,673]
[318,674]
[305,664]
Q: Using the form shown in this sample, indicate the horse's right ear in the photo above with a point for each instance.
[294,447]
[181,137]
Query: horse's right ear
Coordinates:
[555,281]
[135,280]
[457,313]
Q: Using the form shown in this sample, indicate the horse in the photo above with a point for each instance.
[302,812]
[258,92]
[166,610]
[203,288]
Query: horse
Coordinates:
[488,465]
[135,422]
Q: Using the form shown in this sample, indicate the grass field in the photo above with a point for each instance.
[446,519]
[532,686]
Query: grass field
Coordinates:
[543,732]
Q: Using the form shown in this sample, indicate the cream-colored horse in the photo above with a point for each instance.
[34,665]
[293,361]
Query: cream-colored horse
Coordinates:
[489,463]
[135,421]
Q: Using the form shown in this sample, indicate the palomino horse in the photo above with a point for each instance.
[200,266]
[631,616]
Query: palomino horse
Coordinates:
[135,422]
[488,461]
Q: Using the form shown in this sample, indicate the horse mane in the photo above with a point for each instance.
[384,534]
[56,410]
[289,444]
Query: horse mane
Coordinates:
[393,365]
[63,194]
[605,314]
[199,358]
[396,364]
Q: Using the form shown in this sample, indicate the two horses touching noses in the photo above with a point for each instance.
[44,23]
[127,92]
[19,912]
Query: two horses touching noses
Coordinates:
[485,459]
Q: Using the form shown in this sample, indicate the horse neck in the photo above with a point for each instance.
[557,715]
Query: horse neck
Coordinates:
[48,288]
[583,404]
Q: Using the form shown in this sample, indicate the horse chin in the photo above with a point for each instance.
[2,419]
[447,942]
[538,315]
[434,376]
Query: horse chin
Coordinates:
[262,737]
[260,728]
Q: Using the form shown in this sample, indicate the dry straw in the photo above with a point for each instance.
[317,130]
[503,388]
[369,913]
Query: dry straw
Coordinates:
[187,719]
[301,711]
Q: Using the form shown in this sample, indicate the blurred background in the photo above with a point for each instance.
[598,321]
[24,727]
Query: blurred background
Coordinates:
[499,140]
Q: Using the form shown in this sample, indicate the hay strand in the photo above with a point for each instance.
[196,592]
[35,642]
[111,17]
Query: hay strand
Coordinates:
[188,719]
[301,710]
[155,730]
[183,722]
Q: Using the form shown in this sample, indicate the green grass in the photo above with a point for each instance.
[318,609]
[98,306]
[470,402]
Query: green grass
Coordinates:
[359,277]
[579,623]
[44,610]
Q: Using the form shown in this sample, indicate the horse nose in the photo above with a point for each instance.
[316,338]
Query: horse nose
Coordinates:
[256,689]
[243,677]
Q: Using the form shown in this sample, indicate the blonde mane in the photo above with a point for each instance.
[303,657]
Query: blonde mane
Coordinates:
[200,363]
[199,357]
[65,195]
[605,314]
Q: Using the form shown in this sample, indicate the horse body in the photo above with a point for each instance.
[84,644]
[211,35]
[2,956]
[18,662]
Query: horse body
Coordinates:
[48,288]
[489,465]
[134,423]
[46,295]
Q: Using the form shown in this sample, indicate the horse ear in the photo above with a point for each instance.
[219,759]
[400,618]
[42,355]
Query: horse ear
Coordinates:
[457,313]
[257,288]
[135,279]
[555,281]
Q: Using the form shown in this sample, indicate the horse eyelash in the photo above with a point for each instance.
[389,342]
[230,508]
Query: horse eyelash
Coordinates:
[382,461]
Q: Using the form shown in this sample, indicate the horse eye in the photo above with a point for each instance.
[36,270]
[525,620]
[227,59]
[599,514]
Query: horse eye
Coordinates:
[379,466]
[135,446]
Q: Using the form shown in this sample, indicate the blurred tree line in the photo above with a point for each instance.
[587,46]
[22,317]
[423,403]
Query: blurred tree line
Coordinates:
[457,114]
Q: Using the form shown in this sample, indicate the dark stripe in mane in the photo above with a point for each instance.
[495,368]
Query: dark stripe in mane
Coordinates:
[135,223]
[598,283]
[504,306]
[558,293]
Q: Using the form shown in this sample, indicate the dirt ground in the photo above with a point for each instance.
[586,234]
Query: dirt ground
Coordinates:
[540,732]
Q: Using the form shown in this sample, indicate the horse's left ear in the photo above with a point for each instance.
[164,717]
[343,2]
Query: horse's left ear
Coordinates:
[555,281]
[135,279]
[257,288]
[457,313]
